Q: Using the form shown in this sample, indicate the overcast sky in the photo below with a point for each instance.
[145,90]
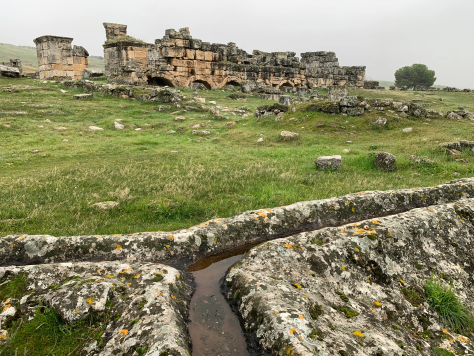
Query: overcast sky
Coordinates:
[383,35]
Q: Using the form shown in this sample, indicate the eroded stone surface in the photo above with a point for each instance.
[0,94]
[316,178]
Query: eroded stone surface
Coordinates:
[350,290]
[142,304]
[220,234]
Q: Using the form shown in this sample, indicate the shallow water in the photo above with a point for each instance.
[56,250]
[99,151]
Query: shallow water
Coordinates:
[215,330]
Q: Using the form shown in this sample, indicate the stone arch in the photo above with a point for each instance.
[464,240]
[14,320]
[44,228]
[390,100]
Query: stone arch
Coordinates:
[286,84]
[233,82]
[160,82]
[203,82]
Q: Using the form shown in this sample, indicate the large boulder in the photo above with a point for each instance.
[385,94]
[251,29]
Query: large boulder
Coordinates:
[385,161]
[328,162]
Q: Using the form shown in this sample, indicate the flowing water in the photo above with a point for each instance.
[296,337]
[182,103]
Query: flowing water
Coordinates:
[215,330]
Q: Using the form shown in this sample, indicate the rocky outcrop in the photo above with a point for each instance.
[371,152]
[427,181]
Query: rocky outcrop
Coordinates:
[149,299]
[145,304]
[358,289]
[221,234]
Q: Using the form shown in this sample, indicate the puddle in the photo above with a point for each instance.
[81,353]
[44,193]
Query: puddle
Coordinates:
[214,328]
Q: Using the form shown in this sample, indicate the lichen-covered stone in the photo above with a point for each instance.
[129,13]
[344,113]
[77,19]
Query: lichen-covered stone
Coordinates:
[358,289]
[147,303]
[220,234]
[328,162]
[385,161]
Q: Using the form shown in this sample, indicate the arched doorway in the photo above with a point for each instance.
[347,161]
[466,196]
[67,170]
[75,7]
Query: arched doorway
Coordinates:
[233,83]
[196,83]
[160,82]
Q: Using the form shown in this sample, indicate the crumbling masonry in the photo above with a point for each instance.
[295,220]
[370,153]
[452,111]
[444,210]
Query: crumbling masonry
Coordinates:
[178,60]
[57,60]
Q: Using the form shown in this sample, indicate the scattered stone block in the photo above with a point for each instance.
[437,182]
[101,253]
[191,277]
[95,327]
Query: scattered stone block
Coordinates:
[179,118]
[328,162]
[95,128]
[288,135]
[92,73]
[105,205]
[385,161]
[381,121]
[408,129]
[83,96]
[118,126]
[260,140]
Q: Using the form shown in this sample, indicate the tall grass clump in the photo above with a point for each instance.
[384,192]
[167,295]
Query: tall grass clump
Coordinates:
[445,301]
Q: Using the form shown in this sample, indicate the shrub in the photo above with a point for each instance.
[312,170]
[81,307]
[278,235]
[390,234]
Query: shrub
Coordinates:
[444,300]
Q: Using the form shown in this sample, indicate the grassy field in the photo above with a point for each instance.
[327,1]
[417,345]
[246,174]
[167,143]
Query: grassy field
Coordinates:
[168,181]
[28,57]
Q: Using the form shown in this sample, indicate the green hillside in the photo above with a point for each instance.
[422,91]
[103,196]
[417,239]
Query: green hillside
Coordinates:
[28,57]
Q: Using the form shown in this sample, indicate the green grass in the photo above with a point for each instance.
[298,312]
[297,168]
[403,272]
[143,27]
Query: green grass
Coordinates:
[445,301]
[442,352]
[14,288]
[48,334]
[166,182]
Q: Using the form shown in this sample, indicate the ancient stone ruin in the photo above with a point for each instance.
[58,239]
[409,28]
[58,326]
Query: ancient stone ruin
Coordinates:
[178,60]
[57,60]
[12,69]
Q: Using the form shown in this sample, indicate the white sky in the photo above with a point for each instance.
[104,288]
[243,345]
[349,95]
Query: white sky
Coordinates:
[383,35]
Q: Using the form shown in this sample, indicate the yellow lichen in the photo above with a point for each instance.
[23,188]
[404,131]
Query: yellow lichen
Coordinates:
[355,248]
[7,307]
[109,276]
[118,248]
[123,333]
[343,268]
[292,331]
[90,300]
[378,304]
[358,333]
[301,317]
[288,246]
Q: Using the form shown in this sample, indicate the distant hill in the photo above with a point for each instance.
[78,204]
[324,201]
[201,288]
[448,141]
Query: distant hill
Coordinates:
[27,55]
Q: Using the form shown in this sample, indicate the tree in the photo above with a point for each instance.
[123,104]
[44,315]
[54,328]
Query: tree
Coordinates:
[417,74]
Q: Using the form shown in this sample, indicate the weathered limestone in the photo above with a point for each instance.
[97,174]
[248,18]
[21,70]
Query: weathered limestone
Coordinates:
[328,162]
[57,60]
[289,280]
[179,60]
[220,234]
[88,73]
[385,161]
[357,289]
[11,72]
[12,69]
[147,303]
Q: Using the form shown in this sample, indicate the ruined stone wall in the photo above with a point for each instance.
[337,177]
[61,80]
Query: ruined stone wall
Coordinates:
[179,60]
[58,60]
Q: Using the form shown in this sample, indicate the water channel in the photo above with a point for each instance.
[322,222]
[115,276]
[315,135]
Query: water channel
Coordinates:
[214,329]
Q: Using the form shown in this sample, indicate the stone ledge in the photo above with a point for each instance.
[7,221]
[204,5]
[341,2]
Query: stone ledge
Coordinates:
[222,234]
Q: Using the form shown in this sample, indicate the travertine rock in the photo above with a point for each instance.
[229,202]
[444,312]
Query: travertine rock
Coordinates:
[328,162]
[57,60]
[92,73]
[357,289]
[385,161]
[288,135]
[178,60]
